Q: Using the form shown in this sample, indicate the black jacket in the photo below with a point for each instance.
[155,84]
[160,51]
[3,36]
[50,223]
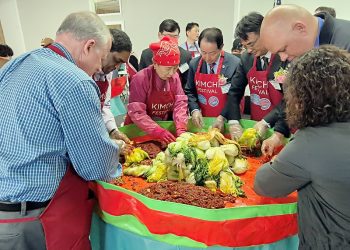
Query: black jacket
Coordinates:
[239,83]
[229,67]
[185,57]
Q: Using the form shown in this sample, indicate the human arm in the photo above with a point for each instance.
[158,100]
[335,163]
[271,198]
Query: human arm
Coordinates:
[284,175]
[109,120]
[190,88]
[231,111]
[239,82]
[137,108]
[93,155]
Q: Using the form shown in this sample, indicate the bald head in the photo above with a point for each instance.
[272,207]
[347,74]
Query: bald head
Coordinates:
[289,30]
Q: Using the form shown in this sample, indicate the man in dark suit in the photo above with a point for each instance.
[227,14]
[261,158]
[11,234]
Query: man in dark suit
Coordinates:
[291,31]
[172,29]
[256,69]
[210,76]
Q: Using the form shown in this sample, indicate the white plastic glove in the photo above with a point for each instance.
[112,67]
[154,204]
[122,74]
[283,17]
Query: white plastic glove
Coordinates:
[117,135]
[219,123]
[197,119]
[121,145]
[235,130]
[262,127]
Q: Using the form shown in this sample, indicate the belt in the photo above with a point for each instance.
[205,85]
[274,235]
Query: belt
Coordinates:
[16,207]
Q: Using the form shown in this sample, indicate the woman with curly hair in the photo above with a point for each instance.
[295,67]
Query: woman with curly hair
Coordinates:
[316,162]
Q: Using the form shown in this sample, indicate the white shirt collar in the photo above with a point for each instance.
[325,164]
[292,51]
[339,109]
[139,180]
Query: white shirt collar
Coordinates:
[268,55]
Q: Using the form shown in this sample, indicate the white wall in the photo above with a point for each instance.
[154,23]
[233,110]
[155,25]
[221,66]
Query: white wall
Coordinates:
[142,21]
[41,19]
[11,26]
[342,7]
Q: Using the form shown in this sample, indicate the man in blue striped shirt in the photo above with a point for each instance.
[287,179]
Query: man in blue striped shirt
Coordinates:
[50,120]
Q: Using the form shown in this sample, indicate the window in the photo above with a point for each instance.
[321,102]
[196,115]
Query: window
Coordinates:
[103,7]
[115,25]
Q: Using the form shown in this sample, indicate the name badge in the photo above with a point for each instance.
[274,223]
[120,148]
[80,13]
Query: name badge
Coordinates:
[184,67]
[275,84]
[225,88]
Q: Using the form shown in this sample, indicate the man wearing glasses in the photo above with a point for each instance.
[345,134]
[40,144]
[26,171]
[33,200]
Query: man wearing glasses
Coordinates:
[209,77]
[169,28]
[256,69]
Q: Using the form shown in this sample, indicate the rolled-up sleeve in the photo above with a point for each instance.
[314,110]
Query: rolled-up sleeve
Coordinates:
[93,155]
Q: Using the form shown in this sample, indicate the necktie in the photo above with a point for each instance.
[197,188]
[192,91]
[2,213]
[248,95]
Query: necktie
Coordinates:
[266,62]
[211,66]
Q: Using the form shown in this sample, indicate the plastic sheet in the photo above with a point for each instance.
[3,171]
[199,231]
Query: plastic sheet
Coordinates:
[106,236]
[261,222]
[239,226]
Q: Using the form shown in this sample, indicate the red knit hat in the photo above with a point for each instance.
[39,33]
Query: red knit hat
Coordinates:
[166,52]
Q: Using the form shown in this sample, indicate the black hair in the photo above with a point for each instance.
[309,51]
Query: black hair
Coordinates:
[189,26]
[212,35]
[249,23]
[5,50]
[169,25]
[329,10]
[236,45]
[121,41]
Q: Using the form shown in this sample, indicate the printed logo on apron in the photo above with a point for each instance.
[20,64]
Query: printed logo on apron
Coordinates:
[213,101]
[210,95]
[263,95]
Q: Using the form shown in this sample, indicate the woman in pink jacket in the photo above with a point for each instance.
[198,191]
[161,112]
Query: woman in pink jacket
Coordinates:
[156,93]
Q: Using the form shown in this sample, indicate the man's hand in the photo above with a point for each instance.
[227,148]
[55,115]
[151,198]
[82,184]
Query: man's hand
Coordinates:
[219,123]
[235,130]
[117,135]
[121,145]
[197,119]
[261,127]
[269,145]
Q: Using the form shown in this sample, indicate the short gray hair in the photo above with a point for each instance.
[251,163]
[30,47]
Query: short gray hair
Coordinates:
[85,25]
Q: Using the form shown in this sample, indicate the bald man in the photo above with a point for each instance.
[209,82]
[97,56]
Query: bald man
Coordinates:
[291,31]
